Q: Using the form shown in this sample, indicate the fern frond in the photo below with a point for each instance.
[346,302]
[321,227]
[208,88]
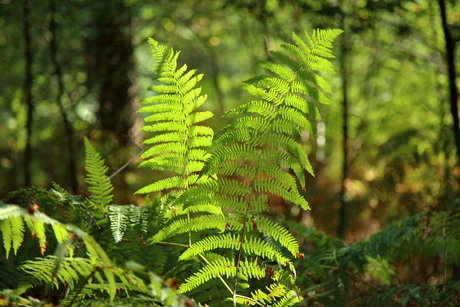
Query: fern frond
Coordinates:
[12,227]
[118,221]
[99,183]
[43,270]
[251,246]
[178,143]
[279,233]
[195,224]
[13,233]
[250,160]
[37,228]
[223,267]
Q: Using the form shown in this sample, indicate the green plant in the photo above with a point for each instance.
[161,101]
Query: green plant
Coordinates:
[363,273]
[79,267]
[208,225]
[222,188]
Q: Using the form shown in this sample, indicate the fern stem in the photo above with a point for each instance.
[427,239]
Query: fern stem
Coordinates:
[189,233]
[220,277]
[172,243]
[238,256]
[125,165]
[249,298]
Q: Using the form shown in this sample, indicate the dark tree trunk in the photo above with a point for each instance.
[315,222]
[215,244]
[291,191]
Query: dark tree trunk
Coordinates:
[28,93]
[344,75]
[450,60]
[111,66]
[72,168]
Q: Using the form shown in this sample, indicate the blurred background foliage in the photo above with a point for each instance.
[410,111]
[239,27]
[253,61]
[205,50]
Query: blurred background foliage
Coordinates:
[76,68]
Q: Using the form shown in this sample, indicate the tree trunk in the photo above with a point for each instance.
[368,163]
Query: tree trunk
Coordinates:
[111,65]
[450,61]
[344,75]
[72,168]
[28,94]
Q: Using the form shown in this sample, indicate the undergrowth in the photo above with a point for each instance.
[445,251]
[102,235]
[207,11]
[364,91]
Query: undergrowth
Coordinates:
[204,236]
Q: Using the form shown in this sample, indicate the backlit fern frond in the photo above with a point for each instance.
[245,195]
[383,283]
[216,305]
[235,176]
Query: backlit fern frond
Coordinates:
[184,225]
[252,246]
[177,142]
[99,184]
[276,295]
[261,144]
[36,222]
[278,233]
[12,232]
[13,219]
[124,216]
[225,267]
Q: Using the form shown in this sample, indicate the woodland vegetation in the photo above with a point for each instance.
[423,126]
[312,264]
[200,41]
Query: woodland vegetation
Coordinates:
[293,153]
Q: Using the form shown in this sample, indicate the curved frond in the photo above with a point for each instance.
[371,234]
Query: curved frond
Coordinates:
[185,225]
[223,267]
[251,246]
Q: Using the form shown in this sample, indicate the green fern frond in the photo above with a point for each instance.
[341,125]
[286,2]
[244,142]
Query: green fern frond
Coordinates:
[277,295]
[13,233]
[289,299]
[99,184]
[43,270]
[163,184]
[37,228]
[118,221]
[195,224]
[35,220]
[251,246]
[277,121]
[277,232]
[178,143]
[224,267]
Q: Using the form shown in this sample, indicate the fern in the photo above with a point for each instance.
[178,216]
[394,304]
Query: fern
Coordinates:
[177,143]
[259,148]
[333,266]
[224,267]
[99,183]
[121,217]
[247,162]
[12,220]
[80,275]
[43,270]
[13,233]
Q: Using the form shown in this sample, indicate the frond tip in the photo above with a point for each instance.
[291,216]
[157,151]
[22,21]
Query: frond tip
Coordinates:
[178,143]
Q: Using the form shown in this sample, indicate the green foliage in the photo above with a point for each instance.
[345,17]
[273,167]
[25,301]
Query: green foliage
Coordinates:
[177,144]
[334,269]
[222,187]
[67,271]
[99,183]
[81,275]
[206,231]
[128,215]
